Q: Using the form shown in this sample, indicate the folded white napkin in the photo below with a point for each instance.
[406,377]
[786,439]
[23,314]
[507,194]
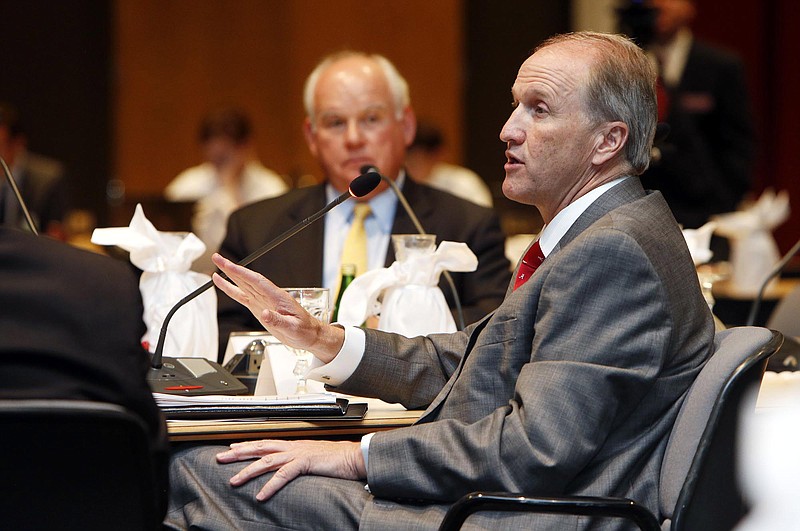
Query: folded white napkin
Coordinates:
[699,241]
[406,294]
[754,252]
[165,259]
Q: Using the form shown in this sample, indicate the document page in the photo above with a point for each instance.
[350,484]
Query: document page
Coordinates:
[171,400]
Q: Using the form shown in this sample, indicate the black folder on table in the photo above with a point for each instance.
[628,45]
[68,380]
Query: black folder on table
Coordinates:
[342,409]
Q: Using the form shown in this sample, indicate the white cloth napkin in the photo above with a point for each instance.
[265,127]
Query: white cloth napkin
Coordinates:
[699,241]
[406,294]
[754,252]
[165,259]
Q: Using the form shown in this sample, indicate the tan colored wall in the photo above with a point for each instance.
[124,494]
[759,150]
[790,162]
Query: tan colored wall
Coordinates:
[175,59]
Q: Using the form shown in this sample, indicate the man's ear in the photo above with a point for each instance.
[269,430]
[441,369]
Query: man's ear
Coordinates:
[409,125]
[310,136]
[612,138]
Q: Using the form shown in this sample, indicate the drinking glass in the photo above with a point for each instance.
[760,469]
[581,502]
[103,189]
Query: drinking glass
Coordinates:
[408,245]
[708,274]
[317,302]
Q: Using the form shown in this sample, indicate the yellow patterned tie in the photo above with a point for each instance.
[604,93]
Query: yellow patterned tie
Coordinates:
[355,245]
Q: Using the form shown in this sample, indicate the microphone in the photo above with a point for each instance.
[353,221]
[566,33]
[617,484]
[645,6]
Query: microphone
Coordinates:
[359,187]
[367,168]
[23,206]
[751,318]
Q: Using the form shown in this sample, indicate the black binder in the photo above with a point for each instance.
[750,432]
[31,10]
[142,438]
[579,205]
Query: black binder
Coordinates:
[342,409]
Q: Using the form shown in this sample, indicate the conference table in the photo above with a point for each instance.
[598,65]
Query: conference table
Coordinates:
[733,307]
[778,391]
[380,416]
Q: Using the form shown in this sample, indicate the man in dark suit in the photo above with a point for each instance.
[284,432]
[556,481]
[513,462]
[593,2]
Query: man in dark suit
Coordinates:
[570,387]
[358,113]
[40,179]
[71,328]
[703,166]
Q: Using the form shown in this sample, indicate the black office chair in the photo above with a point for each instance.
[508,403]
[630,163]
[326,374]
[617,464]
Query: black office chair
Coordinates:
[698,484]
[68,464]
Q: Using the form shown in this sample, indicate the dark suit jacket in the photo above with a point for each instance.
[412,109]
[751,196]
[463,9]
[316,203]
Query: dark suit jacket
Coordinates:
[570,387]
[706,159]
[70,327]
[298,261]
[42,185]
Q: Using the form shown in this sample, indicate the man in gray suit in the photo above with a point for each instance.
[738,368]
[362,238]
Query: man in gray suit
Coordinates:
[570,387]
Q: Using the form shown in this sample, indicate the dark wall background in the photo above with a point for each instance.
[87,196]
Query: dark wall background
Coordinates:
[55,68]
[499,37]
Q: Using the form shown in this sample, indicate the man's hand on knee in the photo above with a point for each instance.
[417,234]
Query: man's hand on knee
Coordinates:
[290,459]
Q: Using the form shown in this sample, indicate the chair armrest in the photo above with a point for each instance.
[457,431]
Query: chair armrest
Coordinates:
[576,505]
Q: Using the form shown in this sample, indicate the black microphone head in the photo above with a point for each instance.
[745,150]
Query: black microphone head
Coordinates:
[365,183]
[366,168]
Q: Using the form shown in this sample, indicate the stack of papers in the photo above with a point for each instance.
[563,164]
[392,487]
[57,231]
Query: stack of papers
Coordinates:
[170,400]
[316,405]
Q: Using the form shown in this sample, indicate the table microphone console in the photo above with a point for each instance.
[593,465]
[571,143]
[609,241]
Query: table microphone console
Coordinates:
[193,376]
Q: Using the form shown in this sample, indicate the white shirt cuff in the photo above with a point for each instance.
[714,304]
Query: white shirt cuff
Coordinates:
[365,449]
[344,364]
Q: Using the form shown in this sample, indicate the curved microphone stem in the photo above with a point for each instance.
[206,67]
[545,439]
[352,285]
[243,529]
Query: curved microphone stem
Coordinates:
[751,318]
[15,189]
[162,336]
[418,225]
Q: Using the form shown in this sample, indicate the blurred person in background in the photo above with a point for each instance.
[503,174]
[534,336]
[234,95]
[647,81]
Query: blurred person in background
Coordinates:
[230,177]
[703,165]
[425,163]
[41,180]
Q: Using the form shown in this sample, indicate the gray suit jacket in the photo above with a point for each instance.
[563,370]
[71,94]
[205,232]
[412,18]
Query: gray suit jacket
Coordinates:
[571,386]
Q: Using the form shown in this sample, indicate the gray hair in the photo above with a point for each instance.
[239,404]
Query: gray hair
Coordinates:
[397,84]
[621,87]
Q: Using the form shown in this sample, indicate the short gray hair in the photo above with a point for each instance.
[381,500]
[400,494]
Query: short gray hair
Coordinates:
[621,87]
[397,84]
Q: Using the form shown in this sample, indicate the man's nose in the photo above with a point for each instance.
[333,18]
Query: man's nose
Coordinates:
[507,132]
[353,134]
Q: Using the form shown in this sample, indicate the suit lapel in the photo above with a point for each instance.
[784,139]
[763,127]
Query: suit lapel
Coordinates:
[692,69]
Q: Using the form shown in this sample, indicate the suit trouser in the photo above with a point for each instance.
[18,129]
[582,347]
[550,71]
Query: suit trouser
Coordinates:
[200,498]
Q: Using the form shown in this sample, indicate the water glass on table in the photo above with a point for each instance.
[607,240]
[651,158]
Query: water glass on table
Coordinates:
[317,302]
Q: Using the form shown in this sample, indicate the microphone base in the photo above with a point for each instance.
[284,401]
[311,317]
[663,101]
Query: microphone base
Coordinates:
[193,376]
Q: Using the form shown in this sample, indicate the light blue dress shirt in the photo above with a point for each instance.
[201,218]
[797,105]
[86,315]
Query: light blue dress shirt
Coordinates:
[378,226]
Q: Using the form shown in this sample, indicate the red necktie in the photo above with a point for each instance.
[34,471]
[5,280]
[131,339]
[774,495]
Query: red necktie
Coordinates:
[532,259]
